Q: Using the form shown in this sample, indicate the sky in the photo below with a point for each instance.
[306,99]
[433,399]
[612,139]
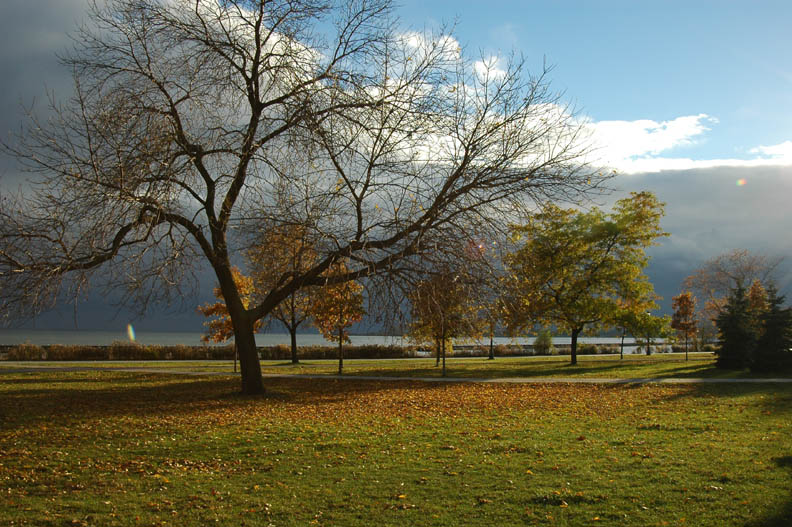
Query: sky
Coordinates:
[691,100]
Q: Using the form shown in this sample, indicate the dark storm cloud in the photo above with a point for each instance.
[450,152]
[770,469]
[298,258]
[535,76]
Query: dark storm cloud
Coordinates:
[708,213]
[31,32]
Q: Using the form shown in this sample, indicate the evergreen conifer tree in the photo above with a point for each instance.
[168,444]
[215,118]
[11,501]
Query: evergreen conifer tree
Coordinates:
[772,349]
[737,332]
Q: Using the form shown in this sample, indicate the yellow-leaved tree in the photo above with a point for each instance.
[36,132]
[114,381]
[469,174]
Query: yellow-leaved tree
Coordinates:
[684,317]
[284,253]
[336,307]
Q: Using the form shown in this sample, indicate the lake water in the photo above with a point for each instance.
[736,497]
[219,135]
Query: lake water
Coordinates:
[10,337]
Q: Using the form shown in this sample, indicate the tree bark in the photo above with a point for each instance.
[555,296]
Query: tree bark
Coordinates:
[340,351]
[492,347]
[621,348]
[249,365]
[244,338]
[293,335]
[437,353]
[686,346]
[573,353]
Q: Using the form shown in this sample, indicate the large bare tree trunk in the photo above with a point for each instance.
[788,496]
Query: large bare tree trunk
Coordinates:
[249,365]
[244,334]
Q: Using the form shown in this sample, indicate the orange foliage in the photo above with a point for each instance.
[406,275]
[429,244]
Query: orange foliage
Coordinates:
[337,307]
[284,251]
[220,328]
[684,320]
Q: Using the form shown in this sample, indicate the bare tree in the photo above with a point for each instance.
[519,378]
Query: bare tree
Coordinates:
[194,122]
[443,309]
[719,276]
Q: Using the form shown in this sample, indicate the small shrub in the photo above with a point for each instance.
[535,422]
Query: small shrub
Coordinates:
[543,343]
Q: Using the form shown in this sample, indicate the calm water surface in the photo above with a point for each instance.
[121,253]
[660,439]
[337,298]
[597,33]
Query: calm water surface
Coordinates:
[103,338]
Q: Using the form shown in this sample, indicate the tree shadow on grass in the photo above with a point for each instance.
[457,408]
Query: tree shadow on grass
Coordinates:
[783,516]
[83,396]
[778,397]
[490,372]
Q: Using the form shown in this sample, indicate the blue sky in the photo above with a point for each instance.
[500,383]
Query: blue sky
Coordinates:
[717,73]
[684,98]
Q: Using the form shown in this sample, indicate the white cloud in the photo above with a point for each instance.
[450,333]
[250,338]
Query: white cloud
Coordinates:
[636,146]
[659,164]
[781,151]
[617,141]
[423,44]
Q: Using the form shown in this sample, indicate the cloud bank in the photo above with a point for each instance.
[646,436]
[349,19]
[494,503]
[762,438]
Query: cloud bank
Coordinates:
[636,147]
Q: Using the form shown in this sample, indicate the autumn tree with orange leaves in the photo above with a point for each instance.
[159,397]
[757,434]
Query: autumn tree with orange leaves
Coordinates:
[284,253]
[220,328]
[684,318]
[336,307]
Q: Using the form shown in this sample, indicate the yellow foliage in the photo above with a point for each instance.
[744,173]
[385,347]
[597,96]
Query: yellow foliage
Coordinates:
[220,328]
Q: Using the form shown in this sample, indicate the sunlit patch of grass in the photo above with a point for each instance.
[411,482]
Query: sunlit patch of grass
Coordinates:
[113,448]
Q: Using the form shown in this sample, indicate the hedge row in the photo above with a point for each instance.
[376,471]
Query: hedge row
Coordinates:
[130,351]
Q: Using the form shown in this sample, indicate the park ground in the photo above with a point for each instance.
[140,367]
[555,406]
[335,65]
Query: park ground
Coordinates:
[110,447]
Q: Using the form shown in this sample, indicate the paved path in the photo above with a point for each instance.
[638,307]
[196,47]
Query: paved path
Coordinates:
[509,380]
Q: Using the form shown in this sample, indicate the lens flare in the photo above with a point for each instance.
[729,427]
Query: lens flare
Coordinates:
[741,182]
[131,333]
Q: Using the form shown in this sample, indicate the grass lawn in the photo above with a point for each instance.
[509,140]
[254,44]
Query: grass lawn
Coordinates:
[609,366]
[116,448]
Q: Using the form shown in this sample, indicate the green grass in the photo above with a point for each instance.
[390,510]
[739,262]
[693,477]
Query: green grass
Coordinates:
[632,366]
[115,448]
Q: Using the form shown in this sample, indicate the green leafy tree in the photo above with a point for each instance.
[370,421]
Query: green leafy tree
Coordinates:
[579,270]
[773,347]
[737,332]
[684,318]
[543,343]
[644,327]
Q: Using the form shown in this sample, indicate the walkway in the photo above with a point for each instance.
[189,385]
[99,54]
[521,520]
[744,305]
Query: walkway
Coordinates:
[508,380]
